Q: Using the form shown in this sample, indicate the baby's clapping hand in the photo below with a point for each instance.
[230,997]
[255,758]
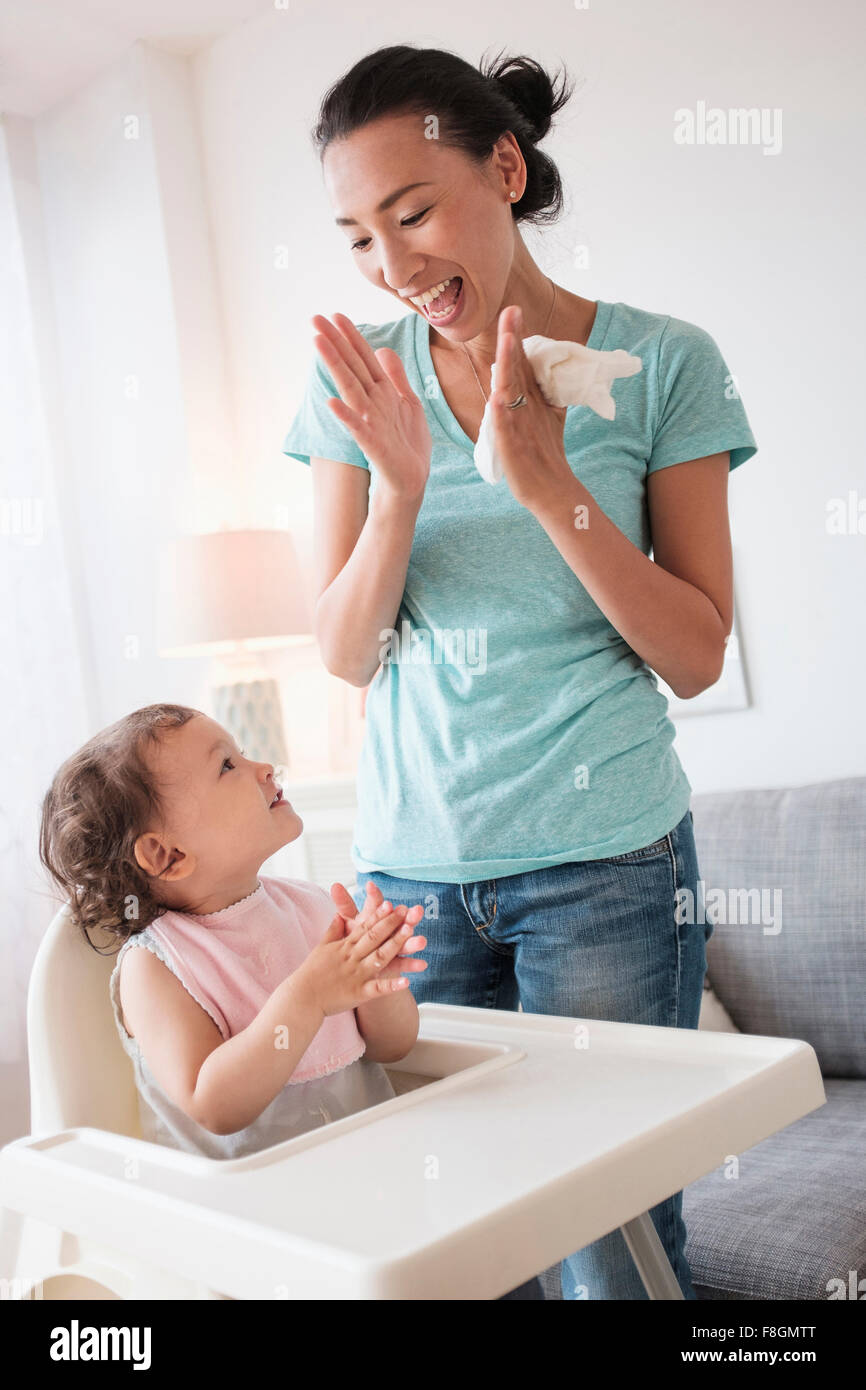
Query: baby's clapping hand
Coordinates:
[375,907]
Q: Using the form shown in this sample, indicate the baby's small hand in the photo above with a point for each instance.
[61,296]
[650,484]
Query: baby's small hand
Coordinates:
[346,906]
[373,900]
[375,906]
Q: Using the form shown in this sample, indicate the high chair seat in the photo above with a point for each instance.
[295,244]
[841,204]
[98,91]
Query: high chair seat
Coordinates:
[506,1148]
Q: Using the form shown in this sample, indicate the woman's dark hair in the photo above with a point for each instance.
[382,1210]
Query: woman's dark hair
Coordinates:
[100,800]
[474,107]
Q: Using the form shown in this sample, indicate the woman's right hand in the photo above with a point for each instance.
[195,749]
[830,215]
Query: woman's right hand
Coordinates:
[346,968]
[378,406]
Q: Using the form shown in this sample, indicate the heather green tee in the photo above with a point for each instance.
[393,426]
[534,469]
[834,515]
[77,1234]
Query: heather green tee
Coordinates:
[513,728]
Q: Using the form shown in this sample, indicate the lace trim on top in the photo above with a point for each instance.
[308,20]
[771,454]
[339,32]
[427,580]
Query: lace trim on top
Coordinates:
[143,939]
[209,916]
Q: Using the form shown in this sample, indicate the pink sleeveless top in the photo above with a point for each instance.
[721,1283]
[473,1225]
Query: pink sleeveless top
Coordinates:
[231,962]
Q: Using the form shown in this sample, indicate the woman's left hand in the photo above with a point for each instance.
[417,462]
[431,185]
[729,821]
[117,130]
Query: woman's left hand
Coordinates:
[528,438]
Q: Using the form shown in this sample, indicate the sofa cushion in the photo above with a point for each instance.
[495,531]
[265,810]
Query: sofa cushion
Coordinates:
[784,875]
[793,1223]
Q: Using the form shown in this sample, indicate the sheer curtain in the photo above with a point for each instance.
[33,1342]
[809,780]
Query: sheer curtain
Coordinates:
[42,679]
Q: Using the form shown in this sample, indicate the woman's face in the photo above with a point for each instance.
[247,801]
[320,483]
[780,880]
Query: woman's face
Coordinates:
[456,223]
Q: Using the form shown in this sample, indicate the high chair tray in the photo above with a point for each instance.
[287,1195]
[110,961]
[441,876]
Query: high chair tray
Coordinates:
[525,1137]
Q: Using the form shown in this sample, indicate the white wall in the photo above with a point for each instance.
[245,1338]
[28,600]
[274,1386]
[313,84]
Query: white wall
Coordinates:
[116,350]
[151,443]
[761,250]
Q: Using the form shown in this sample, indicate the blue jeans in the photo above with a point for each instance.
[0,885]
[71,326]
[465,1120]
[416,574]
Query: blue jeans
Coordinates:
[598,939]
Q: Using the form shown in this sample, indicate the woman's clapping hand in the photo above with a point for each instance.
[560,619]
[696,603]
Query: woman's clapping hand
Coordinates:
[377,405]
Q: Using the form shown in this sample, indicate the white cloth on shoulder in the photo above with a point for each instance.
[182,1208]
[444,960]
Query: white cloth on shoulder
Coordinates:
[567,374]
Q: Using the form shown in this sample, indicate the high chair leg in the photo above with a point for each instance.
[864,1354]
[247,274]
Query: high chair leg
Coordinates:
[649,1255]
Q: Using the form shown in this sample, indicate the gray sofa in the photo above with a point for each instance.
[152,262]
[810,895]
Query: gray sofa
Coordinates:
[792,1223]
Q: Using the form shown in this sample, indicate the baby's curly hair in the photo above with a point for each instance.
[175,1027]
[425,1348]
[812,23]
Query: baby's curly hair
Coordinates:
[100,800]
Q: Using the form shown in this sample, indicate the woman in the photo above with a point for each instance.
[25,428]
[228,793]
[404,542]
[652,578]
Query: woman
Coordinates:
[517,774]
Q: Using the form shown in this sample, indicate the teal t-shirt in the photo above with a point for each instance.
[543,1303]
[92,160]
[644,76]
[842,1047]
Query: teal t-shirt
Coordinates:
[513,728]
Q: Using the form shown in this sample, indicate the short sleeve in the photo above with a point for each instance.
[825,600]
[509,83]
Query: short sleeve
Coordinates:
[699,409]
[315,430]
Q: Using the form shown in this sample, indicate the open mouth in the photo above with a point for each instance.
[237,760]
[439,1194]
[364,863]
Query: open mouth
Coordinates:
[277,799]
[446,305]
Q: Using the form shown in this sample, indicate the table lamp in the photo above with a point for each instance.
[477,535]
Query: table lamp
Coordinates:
[233,595]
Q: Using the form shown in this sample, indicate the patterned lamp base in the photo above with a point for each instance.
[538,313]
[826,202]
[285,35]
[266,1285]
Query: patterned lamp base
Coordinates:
[251,711]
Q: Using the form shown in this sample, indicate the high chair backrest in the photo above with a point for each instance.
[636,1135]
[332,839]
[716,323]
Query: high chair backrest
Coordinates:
[79,1072]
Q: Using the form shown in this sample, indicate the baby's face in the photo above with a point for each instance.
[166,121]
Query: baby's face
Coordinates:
[221,822]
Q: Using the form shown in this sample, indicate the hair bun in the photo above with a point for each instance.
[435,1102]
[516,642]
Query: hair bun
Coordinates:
[528,87]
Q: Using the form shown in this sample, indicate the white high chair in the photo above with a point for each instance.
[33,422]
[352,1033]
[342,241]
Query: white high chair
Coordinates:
[513,1140]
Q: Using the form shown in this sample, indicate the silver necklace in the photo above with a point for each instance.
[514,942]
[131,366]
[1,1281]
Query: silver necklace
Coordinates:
[544,332]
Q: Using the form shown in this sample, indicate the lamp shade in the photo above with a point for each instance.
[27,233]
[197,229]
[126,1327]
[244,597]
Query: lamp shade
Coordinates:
[230,586]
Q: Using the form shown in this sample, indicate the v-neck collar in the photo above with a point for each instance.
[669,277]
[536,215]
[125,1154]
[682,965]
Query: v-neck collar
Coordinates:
[433,387]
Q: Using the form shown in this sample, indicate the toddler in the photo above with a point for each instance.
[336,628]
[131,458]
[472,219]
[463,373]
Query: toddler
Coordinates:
[255,1012]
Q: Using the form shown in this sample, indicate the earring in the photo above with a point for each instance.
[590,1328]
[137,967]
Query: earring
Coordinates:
[512,194]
